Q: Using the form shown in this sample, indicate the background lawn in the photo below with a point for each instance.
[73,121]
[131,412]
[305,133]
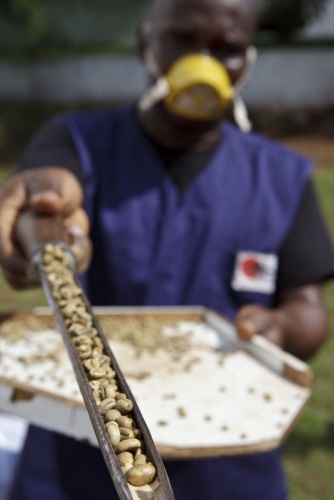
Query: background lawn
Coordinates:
[309,451]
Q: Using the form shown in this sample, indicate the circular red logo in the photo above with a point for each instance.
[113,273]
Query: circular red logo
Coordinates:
[251,268]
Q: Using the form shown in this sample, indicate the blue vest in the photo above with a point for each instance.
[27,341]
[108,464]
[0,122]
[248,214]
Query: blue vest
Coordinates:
[156,246]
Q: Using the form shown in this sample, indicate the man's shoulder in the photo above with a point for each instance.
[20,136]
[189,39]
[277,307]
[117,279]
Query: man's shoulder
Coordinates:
[257,146]
[98,118]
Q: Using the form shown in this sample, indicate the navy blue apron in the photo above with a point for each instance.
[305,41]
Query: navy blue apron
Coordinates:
[154,245]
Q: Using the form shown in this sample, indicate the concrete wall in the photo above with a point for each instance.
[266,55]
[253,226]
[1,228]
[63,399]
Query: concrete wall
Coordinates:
[285,78]
[293,78]
[73,79]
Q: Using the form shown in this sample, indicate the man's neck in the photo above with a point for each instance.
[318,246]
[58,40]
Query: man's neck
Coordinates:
[176,133]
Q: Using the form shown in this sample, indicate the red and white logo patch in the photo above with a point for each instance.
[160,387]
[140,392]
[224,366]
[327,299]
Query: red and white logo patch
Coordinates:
[255,272]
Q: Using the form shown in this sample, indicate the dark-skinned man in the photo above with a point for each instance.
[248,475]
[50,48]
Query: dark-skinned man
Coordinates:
[183,209]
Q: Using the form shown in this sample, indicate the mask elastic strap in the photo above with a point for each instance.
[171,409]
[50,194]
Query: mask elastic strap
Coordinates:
[159,89]
[154,94]
[239,107]
[240,114]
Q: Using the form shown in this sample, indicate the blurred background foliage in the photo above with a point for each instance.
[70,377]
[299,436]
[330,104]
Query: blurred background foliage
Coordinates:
[34,24]
[286,17]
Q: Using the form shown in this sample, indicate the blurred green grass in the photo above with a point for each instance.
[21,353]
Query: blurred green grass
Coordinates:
[309,452]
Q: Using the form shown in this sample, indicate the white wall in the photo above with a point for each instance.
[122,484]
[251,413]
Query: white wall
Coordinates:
[72,79]
[293,78]
[284,78]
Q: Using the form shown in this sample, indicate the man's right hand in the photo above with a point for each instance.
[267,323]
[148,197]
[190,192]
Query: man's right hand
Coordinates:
[50,190]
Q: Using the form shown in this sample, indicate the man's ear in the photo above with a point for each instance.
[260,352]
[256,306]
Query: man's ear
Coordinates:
[143,36]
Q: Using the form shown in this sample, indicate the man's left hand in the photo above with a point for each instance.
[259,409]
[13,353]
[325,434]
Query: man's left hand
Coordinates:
[255,319]
[298,323]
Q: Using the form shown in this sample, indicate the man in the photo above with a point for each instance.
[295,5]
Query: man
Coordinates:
[184,210]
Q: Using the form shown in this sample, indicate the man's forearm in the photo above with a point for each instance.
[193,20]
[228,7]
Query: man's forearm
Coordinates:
[303,320]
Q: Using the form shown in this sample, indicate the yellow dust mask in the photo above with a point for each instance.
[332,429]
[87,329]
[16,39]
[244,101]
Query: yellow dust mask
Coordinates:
[196,87]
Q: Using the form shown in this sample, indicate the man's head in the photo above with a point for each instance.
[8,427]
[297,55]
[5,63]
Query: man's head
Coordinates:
[221,28]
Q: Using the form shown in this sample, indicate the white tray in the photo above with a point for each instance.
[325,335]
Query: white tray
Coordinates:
[220,397]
